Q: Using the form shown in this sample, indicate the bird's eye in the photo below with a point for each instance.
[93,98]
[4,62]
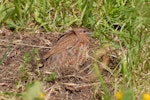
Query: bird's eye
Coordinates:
[84,31]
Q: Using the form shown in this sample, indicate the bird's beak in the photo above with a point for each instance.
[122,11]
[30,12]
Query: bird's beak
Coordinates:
[90,33]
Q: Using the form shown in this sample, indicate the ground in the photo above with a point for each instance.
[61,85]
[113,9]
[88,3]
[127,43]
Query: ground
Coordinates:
[19,68]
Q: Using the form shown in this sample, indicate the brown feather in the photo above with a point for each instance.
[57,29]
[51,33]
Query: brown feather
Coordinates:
[62,44]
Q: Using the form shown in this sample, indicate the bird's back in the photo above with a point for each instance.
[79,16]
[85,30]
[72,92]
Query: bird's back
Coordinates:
[65,42]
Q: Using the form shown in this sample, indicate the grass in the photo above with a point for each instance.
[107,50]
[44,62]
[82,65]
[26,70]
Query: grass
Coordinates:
[123,24]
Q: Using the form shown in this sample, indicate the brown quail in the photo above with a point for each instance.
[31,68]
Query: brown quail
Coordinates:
[70,51]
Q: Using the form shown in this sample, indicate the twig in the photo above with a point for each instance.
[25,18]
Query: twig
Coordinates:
[2,84]
[75,76]
[22,44]
[49,94]
[79,86]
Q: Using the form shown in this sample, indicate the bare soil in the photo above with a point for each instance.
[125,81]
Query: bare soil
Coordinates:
[82,85]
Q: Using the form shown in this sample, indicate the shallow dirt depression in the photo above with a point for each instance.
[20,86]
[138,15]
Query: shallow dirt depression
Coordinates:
[21,63]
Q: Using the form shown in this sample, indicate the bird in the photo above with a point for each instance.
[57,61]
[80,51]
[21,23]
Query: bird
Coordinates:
[70,51]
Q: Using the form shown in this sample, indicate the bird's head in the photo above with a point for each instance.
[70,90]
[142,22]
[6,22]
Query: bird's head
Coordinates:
[82,30]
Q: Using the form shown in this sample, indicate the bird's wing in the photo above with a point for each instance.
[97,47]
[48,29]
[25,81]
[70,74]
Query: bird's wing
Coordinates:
[66,42]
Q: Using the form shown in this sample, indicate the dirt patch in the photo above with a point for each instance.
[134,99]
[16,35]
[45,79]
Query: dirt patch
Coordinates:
[18,67]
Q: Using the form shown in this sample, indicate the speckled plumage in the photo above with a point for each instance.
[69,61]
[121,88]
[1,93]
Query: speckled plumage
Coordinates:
[70,51]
